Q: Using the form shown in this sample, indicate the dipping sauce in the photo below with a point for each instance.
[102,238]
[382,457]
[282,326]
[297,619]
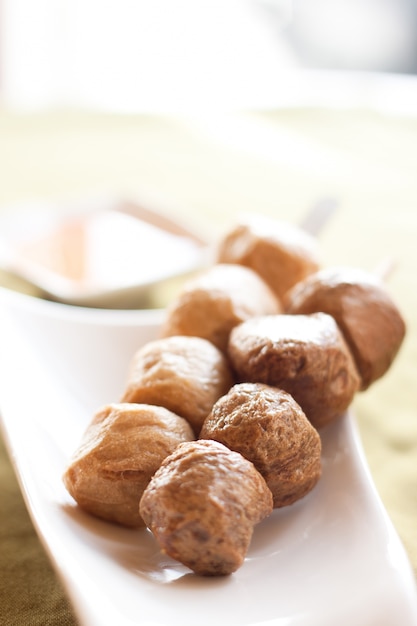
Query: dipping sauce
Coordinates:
[103,252]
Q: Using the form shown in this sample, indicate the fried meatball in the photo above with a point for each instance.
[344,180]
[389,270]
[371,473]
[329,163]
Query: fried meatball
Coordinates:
[282,254]
[269,428]
[369,319]
[216,300]
[305,355]
[202,505]
[121,449]
[183,374]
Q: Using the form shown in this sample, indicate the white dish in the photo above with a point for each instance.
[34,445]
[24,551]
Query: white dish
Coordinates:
[332,558]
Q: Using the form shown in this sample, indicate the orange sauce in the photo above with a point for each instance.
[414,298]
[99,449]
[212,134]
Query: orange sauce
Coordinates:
[108,250]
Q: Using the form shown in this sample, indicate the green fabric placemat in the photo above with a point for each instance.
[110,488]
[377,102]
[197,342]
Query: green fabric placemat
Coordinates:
[30,592]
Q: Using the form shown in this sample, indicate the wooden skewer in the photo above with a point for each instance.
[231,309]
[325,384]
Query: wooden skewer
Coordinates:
[385,268]
[319,215]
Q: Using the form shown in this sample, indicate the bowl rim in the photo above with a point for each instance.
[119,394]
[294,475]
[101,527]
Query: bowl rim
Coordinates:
[10,298]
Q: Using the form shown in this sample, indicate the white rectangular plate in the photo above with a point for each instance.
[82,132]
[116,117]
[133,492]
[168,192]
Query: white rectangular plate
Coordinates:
[332,558]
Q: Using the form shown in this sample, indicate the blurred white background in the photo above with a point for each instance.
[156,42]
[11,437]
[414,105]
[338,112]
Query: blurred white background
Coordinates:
[167,55]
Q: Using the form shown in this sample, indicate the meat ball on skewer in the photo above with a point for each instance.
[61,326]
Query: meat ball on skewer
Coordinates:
[184,374]
[366,314]
[216,300]
[202,505]
[269,428]
[281,253]
[121,449]
[305,355]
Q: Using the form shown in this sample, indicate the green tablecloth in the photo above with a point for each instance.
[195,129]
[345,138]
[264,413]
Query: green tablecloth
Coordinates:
[277,163]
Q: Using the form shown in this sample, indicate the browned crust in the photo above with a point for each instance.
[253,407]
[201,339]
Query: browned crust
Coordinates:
[280,253]
[202,505]
[269,428]
[215,301]
[370,321]
[121,449]
[305,355]
[184,374]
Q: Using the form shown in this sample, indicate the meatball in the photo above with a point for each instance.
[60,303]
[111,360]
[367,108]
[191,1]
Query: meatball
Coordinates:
[202,505]
[304,355]
[269,428]
[121,449]
[366,314]
[216,300]
[281,253]
[184,374]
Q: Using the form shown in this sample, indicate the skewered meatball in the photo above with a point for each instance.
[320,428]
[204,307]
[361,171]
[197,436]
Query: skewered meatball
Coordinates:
[121,449]
[269,428]
[369,319]
[305,355]
[282,254]
[215,301]
[183,374]
[202,505]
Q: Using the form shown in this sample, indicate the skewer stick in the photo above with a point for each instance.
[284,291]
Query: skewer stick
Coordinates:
[319,215]
[385,268]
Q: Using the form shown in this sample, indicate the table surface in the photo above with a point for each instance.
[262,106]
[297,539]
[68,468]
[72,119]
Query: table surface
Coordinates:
[208,170]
